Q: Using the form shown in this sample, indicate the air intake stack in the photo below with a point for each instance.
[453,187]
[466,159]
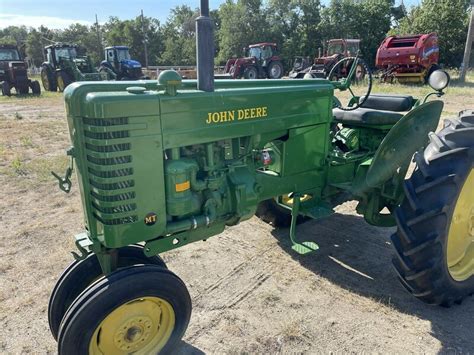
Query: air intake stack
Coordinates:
[205,49]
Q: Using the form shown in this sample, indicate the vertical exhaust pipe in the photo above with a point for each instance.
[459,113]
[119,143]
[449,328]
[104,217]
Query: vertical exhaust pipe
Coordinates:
[205,49]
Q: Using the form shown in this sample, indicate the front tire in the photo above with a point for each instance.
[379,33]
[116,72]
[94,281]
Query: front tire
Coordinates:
[140,309]
[434,242]
[35,88]
[63,80]
[80,274]
[6,89]
[251,73]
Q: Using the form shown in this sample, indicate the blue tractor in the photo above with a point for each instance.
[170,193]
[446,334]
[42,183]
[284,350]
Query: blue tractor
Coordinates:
[119,66]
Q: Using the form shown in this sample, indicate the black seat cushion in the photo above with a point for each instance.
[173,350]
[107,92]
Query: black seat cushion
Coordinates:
[397,103]
[366,116]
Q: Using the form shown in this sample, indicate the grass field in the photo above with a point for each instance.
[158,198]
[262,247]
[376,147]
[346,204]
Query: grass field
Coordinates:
[251,293]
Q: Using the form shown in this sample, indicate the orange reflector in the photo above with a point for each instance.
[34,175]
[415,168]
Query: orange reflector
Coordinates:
[183,186]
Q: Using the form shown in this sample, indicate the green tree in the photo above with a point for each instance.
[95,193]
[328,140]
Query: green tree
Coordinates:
[448,18]
[129,33]
[179,37]
[34,47]
[14,35]
[242,23]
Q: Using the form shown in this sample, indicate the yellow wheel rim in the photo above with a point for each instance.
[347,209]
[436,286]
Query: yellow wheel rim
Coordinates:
[141,326]
[460,251]
[60,84]
[288,200]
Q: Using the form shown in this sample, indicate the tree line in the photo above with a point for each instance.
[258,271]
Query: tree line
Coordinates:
[299,27]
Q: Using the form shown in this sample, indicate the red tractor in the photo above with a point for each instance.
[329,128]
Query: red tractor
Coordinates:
[322,65]
[409,59]
[261,61]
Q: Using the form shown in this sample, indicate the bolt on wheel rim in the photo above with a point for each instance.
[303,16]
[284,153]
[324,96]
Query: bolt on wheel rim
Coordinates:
[142,326]
[460,245]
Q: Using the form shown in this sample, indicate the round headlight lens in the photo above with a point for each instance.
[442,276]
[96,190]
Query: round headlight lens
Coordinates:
[439,80]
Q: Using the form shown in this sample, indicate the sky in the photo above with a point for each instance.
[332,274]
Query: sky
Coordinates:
[61,13]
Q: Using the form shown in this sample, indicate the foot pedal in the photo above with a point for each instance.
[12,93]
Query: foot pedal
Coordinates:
[303,247]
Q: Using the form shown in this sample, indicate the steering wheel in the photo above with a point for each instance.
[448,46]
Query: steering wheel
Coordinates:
[347,71]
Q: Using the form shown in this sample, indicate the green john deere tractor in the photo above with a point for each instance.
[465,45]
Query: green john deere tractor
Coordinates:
[63,66]
[161,165]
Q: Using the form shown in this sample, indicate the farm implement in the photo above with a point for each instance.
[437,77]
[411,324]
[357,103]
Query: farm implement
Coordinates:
[408,59]
[161,165]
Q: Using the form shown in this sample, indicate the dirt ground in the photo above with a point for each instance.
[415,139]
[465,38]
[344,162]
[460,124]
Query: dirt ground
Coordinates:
[251,293]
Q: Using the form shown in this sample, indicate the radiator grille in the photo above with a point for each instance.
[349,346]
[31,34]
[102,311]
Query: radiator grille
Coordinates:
[109,170]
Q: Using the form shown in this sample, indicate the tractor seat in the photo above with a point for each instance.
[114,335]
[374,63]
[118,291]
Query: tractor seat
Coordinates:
[377,110]
[367,117]
[398,103]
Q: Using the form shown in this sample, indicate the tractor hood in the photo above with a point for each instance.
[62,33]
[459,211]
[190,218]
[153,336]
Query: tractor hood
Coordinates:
[129,63]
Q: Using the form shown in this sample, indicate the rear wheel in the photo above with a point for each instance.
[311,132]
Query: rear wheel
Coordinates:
[80,274]
[275,70]
[434,242]
[142,309]
[251,73]
[6,89]
[48,79]
[63,80]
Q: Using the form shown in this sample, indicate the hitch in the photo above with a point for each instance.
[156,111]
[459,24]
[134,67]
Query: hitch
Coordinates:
[65,182]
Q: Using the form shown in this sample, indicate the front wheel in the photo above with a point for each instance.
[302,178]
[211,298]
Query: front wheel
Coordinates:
[251,73]
[434,242]
[35,88]
[63,80]
[6,89]
[80,274]
[143,309]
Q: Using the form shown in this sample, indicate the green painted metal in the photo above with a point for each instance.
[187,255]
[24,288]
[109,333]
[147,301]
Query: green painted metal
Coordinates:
[301,248]
[404,139]
[166,164]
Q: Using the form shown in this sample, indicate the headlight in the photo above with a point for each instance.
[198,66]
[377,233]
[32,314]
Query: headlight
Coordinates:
[439,80]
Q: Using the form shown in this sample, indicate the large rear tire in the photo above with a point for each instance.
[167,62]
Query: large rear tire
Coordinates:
[143,309]
[80,274]
[434,242]
[275,70]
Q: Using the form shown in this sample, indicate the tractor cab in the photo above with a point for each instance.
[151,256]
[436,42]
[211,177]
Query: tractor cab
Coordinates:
[10,58]
[119,65]
[56,52]
[345,47]
[262,51]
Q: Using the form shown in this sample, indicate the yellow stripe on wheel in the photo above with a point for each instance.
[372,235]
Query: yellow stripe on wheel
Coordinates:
[142,326]
[460,250]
